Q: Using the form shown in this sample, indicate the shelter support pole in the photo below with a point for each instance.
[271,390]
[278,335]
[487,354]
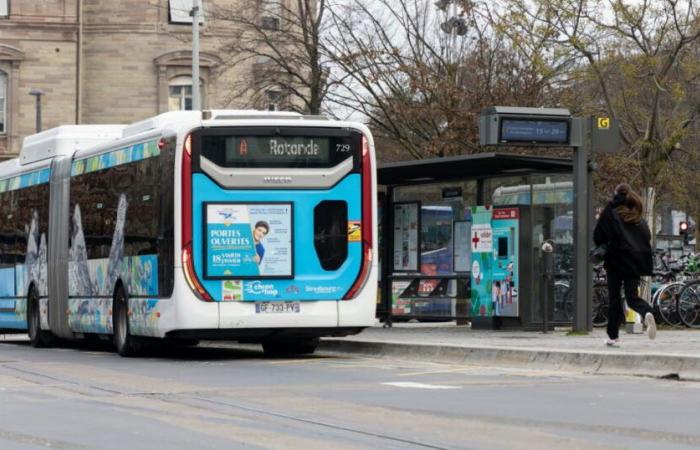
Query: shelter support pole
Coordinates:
[387,265]
[583,273]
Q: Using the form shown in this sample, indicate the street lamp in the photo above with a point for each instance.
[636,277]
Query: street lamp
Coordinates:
[453,26]
[196,97]
[37,93]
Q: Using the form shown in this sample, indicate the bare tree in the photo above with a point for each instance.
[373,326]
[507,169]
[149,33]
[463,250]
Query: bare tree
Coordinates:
[280,41]
[421,76]
[641,57]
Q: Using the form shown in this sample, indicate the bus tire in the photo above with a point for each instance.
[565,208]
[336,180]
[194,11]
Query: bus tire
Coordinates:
[125,343]
[289,347]
[39,338]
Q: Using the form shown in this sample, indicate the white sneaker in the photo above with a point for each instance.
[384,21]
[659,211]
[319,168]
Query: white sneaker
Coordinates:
[650,322]
[612,343]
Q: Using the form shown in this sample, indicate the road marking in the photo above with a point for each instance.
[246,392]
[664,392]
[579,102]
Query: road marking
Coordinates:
[440,371]
[409,384]
[296,361]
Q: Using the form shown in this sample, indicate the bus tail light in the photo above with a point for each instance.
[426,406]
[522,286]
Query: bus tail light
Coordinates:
[366,228]
[186,193]
[191,276]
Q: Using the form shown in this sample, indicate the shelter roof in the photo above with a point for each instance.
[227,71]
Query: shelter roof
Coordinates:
[479,165]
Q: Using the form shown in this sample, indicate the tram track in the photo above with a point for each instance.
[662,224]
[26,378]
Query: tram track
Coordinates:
[317,422]
[245,413]
[189,401]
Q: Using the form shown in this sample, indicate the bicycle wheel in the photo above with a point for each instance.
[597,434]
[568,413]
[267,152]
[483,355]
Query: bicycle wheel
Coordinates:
[666,304]
[688,304]
[600,305]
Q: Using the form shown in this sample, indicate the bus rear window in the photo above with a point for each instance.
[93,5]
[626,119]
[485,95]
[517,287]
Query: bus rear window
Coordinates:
[279,148]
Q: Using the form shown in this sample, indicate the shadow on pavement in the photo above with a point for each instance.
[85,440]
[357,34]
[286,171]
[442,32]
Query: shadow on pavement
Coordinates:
[167,350]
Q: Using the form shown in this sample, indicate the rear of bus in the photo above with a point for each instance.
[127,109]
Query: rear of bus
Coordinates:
[278,226]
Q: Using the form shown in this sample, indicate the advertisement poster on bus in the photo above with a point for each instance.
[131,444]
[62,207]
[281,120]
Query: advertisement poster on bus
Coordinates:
[248,240]
[406,243]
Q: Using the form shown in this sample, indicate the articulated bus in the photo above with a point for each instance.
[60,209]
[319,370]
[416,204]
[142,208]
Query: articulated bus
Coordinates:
[242,225]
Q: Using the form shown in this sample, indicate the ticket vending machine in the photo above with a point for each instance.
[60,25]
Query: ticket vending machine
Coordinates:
[506,232]
[504,288]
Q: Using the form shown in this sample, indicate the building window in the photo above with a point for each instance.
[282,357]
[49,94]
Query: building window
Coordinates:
[180,11]
[3,102]
[180,94]
[270,23]
[4,8]
[273,100]
[271,11]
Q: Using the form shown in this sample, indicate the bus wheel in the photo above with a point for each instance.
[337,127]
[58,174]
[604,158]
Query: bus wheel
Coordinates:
[290,347]
[38,337]
[123,340]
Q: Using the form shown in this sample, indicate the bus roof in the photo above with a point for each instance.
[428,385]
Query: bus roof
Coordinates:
[65,140]
[69,139]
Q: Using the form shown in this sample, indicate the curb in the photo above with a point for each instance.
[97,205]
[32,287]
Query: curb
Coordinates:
[680,367]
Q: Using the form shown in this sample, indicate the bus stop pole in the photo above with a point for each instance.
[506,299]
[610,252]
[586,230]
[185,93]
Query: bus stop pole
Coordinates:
[583,279]
[387,266]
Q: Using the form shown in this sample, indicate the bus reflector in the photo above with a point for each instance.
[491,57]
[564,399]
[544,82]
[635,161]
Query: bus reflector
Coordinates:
[367,204]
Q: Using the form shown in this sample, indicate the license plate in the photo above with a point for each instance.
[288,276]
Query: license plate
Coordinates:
[277,307]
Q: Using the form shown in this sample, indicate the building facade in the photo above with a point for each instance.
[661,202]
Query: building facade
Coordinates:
[107,61]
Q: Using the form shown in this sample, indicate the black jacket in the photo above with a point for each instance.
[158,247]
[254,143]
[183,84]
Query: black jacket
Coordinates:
[629,245]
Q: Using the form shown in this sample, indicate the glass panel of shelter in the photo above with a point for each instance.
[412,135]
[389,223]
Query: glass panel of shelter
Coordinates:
[553,206]
[445,296]
[550,198]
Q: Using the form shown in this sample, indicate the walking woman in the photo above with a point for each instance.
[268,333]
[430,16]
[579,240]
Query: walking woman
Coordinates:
[628,239]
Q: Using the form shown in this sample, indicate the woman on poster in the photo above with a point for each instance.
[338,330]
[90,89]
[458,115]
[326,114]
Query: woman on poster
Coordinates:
[260,230]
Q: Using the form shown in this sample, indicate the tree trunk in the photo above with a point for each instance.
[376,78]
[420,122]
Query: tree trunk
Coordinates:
[649,204]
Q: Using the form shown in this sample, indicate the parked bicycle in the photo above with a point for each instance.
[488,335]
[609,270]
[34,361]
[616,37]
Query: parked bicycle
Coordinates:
[676,281]
[675,292]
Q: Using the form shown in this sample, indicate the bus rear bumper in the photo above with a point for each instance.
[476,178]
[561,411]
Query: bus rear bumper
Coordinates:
[360,311]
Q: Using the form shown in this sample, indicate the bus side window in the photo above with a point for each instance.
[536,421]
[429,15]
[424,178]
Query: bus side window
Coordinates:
[331,233]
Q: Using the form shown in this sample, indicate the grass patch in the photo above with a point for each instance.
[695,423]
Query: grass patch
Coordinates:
[577,333]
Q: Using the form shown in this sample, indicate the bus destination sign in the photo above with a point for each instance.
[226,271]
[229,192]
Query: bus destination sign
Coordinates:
[534,131]
[275,149]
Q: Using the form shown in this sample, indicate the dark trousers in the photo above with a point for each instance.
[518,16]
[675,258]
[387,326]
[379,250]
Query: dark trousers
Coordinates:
[616,315]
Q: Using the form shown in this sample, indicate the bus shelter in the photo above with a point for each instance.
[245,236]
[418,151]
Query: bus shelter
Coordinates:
[460,239]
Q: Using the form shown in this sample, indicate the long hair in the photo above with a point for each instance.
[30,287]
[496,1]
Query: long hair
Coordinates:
[631,209]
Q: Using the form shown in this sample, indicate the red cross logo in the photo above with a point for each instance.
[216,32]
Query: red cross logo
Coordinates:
[476,239]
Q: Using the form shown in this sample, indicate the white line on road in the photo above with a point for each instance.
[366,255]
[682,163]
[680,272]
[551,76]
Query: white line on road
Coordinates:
[409,384]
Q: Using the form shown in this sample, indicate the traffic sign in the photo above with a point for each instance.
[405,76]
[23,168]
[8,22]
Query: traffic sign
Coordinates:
[605,135]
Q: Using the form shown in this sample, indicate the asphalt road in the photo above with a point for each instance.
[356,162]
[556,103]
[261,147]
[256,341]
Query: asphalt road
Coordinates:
[215,396]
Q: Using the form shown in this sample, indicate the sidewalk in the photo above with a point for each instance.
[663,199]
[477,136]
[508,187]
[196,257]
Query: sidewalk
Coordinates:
[674,354]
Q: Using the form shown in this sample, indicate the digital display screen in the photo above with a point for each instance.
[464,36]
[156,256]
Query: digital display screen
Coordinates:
[276,149]
[502,247]
[534,131]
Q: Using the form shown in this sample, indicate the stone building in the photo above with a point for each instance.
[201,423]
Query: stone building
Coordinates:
[106,61]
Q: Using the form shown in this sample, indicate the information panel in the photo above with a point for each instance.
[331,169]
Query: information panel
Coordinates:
[248,240]
[462,246]
[406,236]
[534,131]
